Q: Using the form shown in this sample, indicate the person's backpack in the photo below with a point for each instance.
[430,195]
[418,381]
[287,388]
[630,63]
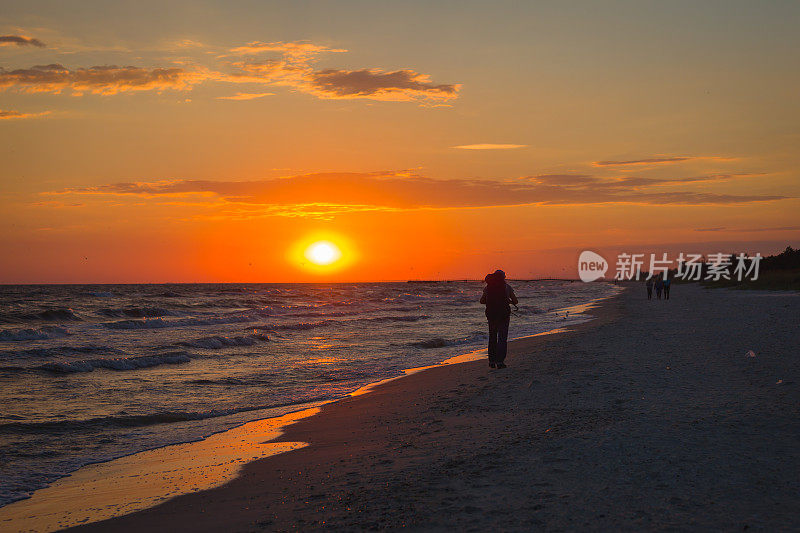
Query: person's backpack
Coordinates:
[497,300]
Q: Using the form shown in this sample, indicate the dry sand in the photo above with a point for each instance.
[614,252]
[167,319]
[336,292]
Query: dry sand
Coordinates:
[651,417]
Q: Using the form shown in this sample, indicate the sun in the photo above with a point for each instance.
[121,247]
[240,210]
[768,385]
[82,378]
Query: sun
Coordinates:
[323,253]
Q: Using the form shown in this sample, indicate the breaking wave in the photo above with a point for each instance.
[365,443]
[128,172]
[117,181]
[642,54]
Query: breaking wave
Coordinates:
[132,421]
[47,315]
[156,323]
[441,342]
[216,342]
[33,334]
[135,312]
[120,363]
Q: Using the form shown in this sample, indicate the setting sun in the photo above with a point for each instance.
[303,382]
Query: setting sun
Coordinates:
[323,253]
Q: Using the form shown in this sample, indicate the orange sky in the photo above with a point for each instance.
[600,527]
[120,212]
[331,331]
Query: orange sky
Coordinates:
[209,144]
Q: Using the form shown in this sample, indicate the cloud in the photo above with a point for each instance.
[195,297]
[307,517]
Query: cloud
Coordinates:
[650,161]
[375,84]
[15,115]
[750,230]
[294,69]
[19,40]
[297,50]
[660,160]
[244,96]
[629,183]
[185,43]
[563,180]
[489,146]
[54,78]
[343,192]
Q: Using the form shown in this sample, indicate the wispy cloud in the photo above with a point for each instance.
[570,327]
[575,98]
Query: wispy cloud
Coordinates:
[15,115]
[649,161]
[20,40]
[298,50]
[489,146]
[295,69]
[55,78]
[632,183]
[345,192]
[375,84]
[750,230]
[244,96]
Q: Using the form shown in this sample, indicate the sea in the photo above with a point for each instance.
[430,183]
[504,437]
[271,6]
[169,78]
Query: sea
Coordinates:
[89,373]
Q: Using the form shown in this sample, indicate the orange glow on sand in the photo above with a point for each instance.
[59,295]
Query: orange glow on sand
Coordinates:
[135,482]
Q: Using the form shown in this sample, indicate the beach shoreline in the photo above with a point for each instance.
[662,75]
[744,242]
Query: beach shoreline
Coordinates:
[139,481]
[318,429]
[652,416]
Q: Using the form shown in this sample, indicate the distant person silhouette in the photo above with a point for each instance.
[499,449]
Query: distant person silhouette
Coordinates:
[496,296]
[667,283]
[649,285]
[659,287]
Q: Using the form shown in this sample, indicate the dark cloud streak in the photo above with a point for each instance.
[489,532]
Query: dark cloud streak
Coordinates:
[110,79]
[19,40]
[394,191]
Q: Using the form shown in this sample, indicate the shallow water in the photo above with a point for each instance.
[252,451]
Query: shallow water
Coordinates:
[90,373]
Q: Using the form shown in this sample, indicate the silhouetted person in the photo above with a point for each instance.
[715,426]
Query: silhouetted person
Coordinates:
[496,297]
[649,285]
[659,287]
[667,283]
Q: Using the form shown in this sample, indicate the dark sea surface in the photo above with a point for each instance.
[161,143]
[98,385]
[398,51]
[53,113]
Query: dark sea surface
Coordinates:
[93,372]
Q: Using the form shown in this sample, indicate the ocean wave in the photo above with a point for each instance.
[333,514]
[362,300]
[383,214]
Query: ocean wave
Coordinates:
[137,324]
[134,312]
[119,363]
[54,314]
[323,313]
[170,294]
[530,310]
[216,342]
[101,294]
[33,334]
[301,326]
[251,316]
[441,342]
[330,322]
[47,315]
[156,323]
[132,421]
[58,351]
[402,318]
[230,380]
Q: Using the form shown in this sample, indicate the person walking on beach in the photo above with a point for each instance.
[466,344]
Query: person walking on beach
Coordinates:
[649,285]
[496,297]
[667,283]
[659,287]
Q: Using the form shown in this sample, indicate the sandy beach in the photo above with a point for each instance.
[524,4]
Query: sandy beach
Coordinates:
[653,416]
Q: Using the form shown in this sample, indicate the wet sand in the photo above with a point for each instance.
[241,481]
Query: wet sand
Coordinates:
[651,417]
